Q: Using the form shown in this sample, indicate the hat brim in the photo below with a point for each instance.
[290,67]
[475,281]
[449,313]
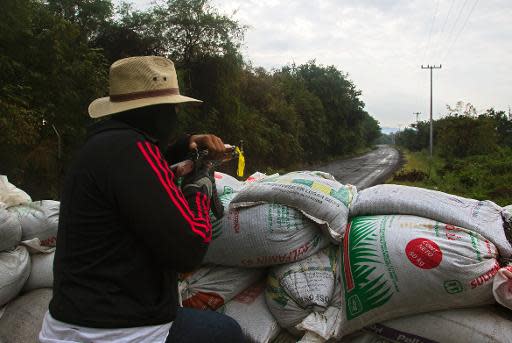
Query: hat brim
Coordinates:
[103,106]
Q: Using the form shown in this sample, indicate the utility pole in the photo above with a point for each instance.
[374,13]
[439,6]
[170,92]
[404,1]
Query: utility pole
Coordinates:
[417,116]
[431,125]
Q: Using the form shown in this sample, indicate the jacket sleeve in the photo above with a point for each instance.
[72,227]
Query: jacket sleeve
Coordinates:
[178,151]
[175,227]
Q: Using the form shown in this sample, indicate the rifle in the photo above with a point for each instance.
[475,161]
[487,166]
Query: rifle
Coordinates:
[199,160]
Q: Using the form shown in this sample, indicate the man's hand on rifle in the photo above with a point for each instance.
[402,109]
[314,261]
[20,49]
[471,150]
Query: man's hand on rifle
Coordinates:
[214,145]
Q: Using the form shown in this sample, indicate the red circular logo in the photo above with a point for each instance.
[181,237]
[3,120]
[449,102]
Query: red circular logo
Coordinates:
[424,253]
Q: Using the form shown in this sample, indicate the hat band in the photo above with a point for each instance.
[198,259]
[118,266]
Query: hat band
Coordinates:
[144,94]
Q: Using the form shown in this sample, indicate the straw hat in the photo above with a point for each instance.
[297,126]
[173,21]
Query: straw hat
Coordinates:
[138,82]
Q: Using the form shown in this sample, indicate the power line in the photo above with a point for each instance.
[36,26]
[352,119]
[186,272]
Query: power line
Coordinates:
[440,34]
[450,35]
[431,28]
[461,29]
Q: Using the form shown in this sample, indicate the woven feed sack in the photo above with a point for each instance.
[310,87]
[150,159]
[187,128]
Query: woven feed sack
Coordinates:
[39,219]
[211,286]
[483,217]
[11,195]
[10,229]
[250,311]
[14,271]
[297,289]
[483,324]
[23,317]
[226,184]
[262,235]
[41,272]
[316,194]
[396,266]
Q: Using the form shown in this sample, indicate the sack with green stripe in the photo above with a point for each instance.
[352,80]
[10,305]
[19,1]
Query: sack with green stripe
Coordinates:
[262,235]
[316,194]
[395,266]
[297,289]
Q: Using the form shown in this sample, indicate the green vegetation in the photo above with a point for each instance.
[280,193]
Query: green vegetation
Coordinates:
[54,58]
[472,156]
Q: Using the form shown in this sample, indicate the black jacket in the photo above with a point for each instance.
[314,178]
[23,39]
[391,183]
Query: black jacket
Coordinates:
[125,230]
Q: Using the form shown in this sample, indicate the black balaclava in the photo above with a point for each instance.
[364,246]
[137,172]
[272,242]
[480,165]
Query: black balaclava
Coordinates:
[158,121]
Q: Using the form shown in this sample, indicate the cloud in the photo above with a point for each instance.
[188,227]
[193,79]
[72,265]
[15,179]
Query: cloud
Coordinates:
[382,43]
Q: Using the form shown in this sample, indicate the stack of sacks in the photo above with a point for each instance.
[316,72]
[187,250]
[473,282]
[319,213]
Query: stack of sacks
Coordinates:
[28,233]
[276,219]
[397,263]
[262,233]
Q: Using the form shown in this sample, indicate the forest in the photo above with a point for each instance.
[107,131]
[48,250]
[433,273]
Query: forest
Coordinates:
[54,60]
[472,154]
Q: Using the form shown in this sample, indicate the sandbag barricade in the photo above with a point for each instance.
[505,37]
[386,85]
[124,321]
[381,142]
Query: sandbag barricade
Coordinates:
[10,229]
[316,194]
[250,311]
[392,264]
[262,235]
[14,272]
[39,219]
[483,217]
[212,286]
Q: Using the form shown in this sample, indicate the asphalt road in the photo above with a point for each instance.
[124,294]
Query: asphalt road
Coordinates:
[366,170]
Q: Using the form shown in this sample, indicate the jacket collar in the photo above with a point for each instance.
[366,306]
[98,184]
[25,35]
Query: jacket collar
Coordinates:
[112,124]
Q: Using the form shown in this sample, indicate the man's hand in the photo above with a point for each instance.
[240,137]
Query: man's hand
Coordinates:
[214,145]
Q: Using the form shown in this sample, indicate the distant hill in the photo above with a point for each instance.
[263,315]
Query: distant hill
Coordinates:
[388,130]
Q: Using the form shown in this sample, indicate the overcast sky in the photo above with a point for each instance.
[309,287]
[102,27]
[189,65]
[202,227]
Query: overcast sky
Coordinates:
[381,44]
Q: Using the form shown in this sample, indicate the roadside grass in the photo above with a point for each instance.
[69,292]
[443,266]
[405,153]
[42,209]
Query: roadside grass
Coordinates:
[482,177]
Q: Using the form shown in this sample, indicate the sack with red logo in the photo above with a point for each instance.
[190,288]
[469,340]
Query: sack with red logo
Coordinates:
[211,286]
[483,217]
[395,266]
[250,311]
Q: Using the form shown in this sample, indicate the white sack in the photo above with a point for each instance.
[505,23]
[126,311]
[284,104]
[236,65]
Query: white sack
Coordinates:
[39,219]
[250,311]
[10,229]
[395,266]
[14,271]
[226,184]
[316,194]
[212,286]
[10,195]
[506,213]
[483,324]
[23,317]
[483,217]
[297,289]
[262,235]
[41,272]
